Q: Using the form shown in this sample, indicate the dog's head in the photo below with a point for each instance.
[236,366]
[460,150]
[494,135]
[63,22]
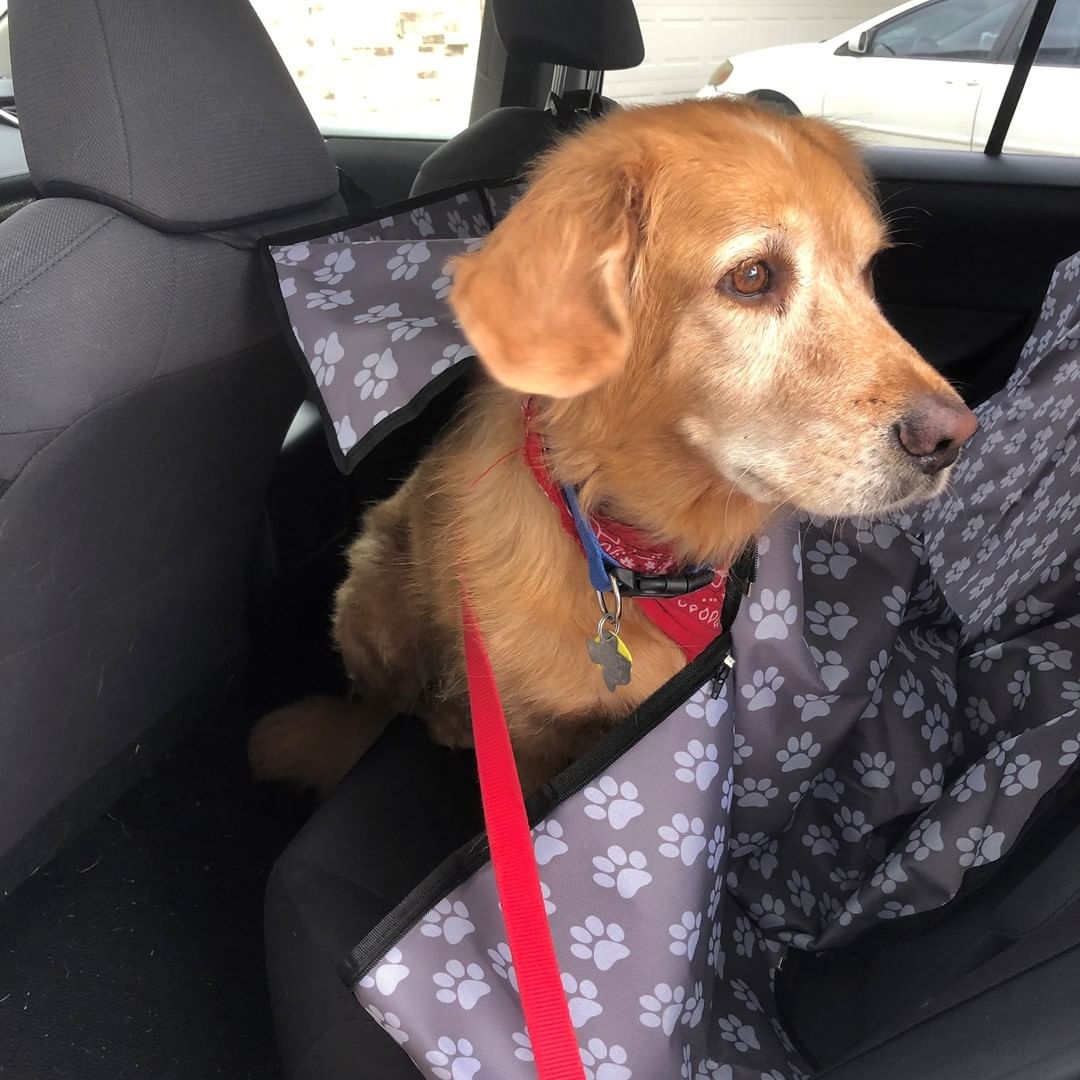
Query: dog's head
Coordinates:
[699,275]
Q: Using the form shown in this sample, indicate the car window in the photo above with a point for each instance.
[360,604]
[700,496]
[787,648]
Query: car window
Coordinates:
[686,42]
[12,159]
[1061,43]
[380,67]
[946,30]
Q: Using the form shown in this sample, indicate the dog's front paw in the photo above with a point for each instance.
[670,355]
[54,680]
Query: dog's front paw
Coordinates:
[313,743]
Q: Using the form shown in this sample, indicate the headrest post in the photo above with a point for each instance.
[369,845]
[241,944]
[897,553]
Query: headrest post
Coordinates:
[558,80]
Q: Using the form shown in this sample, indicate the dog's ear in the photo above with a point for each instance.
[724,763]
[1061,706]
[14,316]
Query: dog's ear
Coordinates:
[545,301]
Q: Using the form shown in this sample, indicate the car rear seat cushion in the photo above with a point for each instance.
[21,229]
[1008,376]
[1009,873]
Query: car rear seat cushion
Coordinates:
[344,873]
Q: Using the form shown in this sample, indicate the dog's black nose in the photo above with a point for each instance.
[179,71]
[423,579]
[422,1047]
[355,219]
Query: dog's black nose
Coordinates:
[934,430]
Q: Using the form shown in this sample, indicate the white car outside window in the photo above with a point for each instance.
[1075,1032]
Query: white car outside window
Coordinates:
[929,73]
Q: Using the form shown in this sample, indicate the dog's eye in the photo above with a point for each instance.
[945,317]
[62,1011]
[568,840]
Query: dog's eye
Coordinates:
[749,280]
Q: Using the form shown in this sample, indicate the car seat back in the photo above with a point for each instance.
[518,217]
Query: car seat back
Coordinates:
[144,387]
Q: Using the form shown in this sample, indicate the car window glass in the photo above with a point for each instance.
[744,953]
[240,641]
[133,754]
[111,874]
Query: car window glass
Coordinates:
[949,30]
[686,40]
[380,67]
[1061,43]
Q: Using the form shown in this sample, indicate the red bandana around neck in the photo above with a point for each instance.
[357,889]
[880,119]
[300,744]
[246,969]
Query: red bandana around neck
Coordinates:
[691,621]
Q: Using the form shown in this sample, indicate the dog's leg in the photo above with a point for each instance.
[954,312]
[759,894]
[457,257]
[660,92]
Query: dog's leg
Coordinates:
[314,743]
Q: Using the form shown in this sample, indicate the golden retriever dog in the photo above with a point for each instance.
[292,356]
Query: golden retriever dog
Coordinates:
[684,294]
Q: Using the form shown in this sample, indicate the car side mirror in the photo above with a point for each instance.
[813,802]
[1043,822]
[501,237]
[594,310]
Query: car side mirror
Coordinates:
[859,43]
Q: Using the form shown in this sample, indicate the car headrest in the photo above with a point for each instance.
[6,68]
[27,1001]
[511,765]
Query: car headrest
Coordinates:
[595,35]
[182,115]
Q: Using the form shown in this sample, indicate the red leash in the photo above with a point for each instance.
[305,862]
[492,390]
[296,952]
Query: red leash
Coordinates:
[547,1017]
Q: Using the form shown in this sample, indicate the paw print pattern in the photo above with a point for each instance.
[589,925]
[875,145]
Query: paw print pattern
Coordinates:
[768,912]
[741,1035]
[1070,753]
[407,328]
[406,263]
[502,964]
[831,620]
[378,313]
[685,934]
[693,1007]
[548,841]
[820,840]
[448,920]
[346,435]
[875,770]
[774,614]
[935,729]
[716,848]
[890,874]
[852,824]
[928,784]
[1021,774]
[799,752]
[909,695]
[329,299]
[375,374]
[752,792]
[980,715]
[614,802]
[451,355]
[452,1059]
[697,764]
[421,220]
[605,1061]
[388,975]
[581,999]
[1050,656]
[980,846]
[335,266]
[328,353]
[663,1008]
[390,1023]
[523,1050]
[684,839]
[829,786]
[832,559]
[292,255]
[895,601]
[715,956]
[831,665]
[801,894]
[924,840]
[625,872]
[603,944]
[462,984]
[760,692]
[1020,688]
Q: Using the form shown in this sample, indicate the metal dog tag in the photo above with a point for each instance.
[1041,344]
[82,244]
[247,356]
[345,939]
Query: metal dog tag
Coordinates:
[609,653]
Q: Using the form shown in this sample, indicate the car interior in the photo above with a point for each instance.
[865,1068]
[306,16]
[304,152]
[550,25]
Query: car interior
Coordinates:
[172,526]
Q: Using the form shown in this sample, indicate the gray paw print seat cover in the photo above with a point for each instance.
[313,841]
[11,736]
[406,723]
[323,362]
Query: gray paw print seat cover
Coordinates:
[901,708]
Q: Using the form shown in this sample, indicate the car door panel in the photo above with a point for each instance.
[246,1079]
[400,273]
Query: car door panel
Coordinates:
[1046,121]
[902,102]
[383,167]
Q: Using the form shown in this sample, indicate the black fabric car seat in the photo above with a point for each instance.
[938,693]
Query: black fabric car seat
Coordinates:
[144,387]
